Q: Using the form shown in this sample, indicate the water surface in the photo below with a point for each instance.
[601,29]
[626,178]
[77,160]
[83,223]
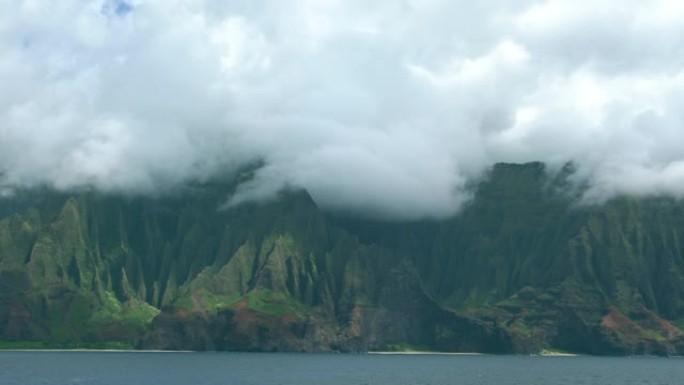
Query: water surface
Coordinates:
[135,368]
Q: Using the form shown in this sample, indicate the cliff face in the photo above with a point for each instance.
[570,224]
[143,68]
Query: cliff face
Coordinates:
[521,268]
[550,271]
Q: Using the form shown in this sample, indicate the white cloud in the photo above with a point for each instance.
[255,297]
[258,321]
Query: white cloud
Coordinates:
[386,107]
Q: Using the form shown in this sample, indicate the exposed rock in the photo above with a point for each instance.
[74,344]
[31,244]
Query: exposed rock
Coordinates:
[521,268]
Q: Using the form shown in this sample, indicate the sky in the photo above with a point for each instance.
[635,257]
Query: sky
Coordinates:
[383,108]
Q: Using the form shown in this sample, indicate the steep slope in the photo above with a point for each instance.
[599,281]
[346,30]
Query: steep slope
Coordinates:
[550,271]
[178,273]
[524,256]
[521,268]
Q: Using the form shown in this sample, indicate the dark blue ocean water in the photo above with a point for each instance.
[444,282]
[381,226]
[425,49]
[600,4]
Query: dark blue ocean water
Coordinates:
[95,368]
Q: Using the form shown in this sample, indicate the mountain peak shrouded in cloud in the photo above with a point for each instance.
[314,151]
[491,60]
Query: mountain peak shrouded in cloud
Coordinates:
[385,107]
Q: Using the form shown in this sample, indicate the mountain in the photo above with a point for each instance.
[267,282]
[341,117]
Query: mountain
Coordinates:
[521,268]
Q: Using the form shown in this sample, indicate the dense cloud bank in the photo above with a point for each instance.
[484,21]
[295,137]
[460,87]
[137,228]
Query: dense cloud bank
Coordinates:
[382,107]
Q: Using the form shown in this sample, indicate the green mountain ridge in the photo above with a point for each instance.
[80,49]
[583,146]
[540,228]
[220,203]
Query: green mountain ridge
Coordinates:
[521,268]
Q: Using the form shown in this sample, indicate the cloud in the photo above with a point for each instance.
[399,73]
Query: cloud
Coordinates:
[387,108]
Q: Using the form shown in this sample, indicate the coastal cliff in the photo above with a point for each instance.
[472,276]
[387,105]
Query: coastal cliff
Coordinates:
[522,267]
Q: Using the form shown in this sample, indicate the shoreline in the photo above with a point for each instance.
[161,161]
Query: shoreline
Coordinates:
[97,350]
[420,352]
[552,353]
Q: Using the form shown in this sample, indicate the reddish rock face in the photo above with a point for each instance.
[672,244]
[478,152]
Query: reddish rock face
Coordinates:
[641,331]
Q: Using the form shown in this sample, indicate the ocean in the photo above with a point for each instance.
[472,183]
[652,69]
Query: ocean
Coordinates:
[137,368]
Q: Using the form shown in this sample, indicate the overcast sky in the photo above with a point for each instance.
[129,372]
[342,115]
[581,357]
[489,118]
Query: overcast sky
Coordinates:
[383,107]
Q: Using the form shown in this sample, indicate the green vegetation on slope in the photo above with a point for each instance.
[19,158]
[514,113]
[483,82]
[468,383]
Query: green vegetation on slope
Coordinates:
[275,304]
[522,266]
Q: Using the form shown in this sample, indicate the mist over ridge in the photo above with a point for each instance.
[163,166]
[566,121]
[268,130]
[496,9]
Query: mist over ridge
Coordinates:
[389,108]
